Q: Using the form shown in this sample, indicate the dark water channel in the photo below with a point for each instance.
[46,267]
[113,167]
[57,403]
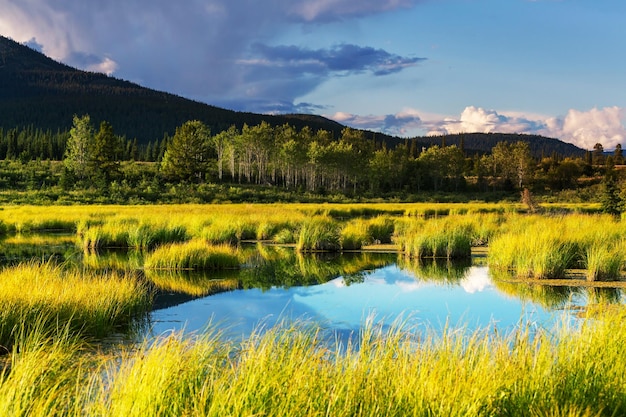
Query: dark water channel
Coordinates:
[340,291]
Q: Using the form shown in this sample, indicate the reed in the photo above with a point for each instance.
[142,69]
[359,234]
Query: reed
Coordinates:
[385,370]
[381,228]
[355,234]
[448,238]
[546,247]
[44,375]
[90,304]
[604,262]
[129,233]
[319,234]
[195,254]
[299,369]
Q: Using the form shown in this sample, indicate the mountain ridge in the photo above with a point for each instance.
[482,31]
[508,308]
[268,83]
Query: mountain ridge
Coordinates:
[38,91]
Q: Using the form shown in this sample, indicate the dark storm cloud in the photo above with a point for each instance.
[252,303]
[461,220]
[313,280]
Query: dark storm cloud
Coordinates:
[201,48]
[338,60]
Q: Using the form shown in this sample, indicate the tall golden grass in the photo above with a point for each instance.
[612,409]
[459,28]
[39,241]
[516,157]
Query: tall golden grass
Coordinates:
[546,247]
[195,254]
[299,369]
[90,304]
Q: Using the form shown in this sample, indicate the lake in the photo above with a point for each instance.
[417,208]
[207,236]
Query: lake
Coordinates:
[428,296]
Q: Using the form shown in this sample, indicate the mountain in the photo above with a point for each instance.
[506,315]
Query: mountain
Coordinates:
[40,92]
[36,90]
[479,143]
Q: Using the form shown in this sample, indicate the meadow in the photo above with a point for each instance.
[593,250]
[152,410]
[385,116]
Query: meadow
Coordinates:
[297,368]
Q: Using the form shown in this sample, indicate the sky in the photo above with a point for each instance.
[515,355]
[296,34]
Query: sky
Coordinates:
[403,67]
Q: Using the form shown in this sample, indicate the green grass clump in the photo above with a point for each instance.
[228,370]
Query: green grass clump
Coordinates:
[44,374]
[604,261]
[90,304]
[319,234]
[381,229]
[546,247]
[355,234]
[195,254]
[533,253]
[440,238]
[129,234]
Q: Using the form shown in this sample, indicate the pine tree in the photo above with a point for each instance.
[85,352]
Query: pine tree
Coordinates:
[186,156]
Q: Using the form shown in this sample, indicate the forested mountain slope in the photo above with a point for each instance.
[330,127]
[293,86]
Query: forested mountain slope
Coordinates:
[36,90]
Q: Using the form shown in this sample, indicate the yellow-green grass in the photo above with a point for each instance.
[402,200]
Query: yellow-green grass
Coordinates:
[546,247]
[296,369]
[45,374]
[355,234]
[196,254]
[319,234]
[447,238]
[91,305]
[128,233]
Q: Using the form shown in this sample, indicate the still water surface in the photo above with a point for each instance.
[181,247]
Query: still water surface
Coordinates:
[472,299]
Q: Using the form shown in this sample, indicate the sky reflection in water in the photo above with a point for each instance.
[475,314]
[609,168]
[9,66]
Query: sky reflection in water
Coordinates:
[386,293]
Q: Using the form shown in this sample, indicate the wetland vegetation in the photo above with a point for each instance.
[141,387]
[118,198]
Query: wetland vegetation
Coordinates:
[111,264]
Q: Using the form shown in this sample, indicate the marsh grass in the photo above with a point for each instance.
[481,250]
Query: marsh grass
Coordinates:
[448,238]
[547,247]
[90,304]
[44,375]
[129,234]
[355,234]
[300,369]
[604,261]
[196,254]
[319,234]
[381,228]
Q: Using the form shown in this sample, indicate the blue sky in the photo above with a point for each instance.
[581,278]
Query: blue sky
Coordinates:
[405,67]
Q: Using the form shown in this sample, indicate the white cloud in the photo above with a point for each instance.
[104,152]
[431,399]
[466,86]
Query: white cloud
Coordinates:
[586,128]
[107,66]
[476,280]
[581,128]
[403,123]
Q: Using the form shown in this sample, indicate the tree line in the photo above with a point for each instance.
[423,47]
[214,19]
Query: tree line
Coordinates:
[300,160]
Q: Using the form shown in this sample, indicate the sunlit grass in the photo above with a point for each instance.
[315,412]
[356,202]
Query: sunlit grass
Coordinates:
[448,238]
[319,234]
[546,247]
[90,304]
[195,254]
[300,369]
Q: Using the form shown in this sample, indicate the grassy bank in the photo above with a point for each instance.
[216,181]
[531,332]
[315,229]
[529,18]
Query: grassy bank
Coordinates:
[43,296]
[294,370]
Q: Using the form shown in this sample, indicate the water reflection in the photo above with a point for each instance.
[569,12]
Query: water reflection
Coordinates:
[339,291]
[343,305]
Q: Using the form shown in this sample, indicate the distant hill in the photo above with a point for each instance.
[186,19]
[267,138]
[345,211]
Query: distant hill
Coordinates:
[481,143]
[36,90]
[40,92]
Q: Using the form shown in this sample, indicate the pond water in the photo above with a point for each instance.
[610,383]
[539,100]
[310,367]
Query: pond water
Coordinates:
[429,296]
[338,291]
